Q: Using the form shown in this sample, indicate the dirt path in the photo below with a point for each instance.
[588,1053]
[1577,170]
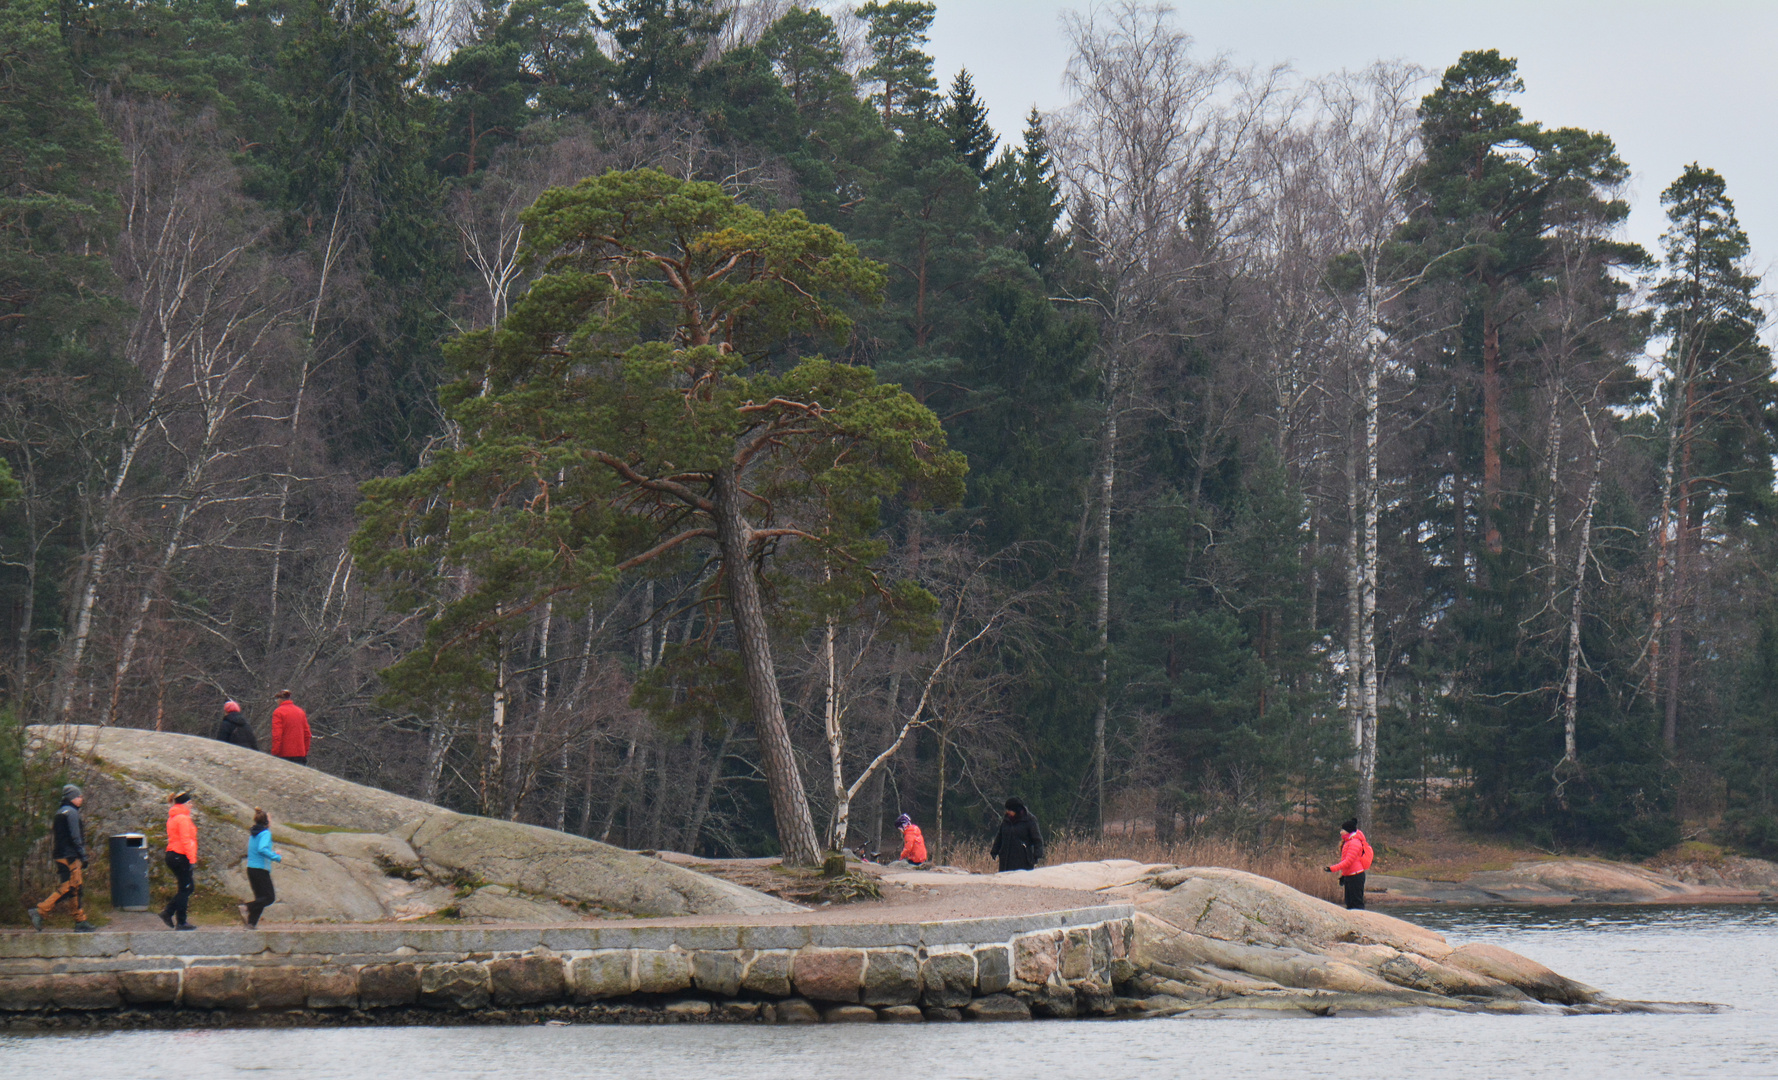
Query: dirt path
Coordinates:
[901,903]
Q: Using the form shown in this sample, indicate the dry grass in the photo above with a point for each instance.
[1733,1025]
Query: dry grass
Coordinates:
[1303,872]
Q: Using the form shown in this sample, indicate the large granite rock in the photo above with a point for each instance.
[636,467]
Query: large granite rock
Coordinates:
[1206,938]
[356,854]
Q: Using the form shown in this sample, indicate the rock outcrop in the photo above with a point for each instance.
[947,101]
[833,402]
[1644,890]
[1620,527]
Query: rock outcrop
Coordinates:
[356,854]
[1199,941]
[1212,939]
[1562,881]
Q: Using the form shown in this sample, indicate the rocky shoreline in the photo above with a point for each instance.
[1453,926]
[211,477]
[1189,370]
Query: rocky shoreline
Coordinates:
[1199,941]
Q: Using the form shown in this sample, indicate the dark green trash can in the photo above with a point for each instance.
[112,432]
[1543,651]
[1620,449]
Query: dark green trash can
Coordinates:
[129,872]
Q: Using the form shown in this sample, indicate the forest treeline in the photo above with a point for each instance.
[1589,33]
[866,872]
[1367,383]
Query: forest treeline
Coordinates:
[689,424]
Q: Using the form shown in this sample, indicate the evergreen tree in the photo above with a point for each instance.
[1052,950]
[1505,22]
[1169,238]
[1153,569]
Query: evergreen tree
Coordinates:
[357,184]
[660,46]
[525,60]
[1024,197]
[804,46]
[1749,753]
[1494,184]
[1019,408]
[896,30]
[745,103]
[924,219]
[666,431]
[1721,372]
[58,166]
[965,120]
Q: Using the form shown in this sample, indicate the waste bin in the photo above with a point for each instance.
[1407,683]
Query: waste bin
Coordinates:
[129,872]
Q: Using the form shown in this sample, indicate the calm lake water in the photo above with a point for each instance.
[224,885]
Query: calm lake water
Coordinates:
[1723,955]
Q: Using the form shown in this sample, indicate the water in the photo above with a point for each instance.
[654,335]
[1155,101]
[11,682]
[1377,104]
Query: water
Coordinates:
[1724,955]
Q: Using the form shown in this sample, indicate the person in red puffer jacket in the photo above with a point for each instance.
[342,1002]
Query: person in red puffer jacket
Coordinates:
[290,730]
[913,845]
[1355,859]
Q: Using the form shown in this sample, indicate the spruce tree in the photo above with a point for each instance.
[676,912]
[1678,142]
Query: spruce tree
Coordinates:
[966,122]
[355,164]
[58,166]
[1025,197]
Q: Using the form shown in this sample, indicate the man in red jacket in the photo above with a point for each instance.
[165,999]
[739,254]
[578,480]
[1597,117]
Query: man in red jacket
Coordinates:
[290,730]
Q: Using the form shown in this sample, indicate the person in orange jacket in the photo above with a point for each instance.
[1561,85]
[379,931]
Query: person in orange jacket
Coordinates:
[182,855]
[290,730]
[1355,859]
[913,844]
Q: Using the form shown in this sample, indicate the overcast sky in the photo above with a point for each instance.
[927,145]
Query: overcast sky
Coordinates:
[1672,82]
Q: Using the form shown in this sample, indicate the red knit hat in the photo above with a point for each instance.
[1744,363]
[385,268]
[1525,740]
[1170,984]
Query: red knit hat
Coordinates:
[230,706]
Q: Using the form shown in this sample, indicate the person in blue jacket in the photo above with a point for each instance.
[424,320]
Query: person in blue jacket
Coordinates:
[260,858]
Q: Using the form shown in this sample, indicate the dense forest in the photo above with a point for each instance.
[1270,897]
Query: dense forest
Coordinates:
[689,424]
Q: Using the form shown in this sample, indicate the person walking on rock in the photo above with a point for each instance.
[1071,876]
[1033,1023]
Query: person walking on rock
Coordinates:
[290,730]
[913,843]
[1020,843]
[235,728]
[260,857]
[182,855]
[1355,859]
[70,857]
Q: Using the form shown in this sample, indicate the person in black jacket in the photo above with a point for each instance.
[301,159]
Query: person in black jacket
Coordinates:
[70,857]
[1020,843]
[235,728]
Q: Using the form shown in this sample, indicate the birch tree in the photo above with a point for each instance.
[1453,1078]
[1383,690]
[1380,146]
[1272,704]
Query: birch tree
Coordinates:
[1146,130]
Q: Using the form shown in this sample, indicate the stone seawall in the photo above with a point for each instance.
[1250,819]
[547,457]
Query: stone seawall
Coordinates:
[1054,964]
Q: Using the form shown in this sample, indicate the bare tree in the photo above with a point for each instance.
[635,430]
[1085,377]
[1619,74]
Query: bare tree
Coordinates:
[1145,149]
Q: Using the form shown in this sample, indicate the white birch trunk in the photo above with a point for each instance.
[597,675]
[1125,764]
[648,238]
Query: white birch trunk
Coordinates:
[1583,551]
[1107,483]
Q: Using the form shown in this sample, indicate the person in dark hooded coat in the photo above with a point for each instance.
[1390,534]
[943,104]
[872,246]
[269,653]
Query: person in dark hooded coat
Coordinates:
[1020,843]
[235,728]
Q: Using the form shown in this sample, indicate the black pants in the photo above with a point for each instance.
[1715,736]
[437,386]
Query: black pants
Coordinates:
[263,894]
[1354,884]
[176,907]
[304,760]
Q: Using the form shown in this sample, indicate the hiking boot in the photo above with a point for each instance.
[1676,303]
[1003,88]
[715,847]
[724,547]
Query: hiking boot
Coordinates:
[36,918]
[185,926]
[84,927]
[167,918]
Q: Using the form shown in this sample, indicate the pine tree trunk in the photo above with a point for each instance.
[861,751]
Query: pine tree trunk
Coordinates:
[1491,406]
[790,804]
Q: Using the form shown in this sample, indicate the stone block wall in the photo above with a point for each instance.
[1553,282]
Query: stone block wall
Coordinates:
[1060,964]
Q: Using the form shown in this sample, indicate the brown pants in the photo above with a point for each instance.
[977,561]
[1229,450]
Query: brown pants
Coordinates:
[72,879]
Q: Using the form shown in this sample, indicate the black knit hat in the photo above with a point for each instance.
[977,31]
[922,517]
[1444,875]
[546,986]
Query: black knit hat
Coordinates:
[1349,825]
